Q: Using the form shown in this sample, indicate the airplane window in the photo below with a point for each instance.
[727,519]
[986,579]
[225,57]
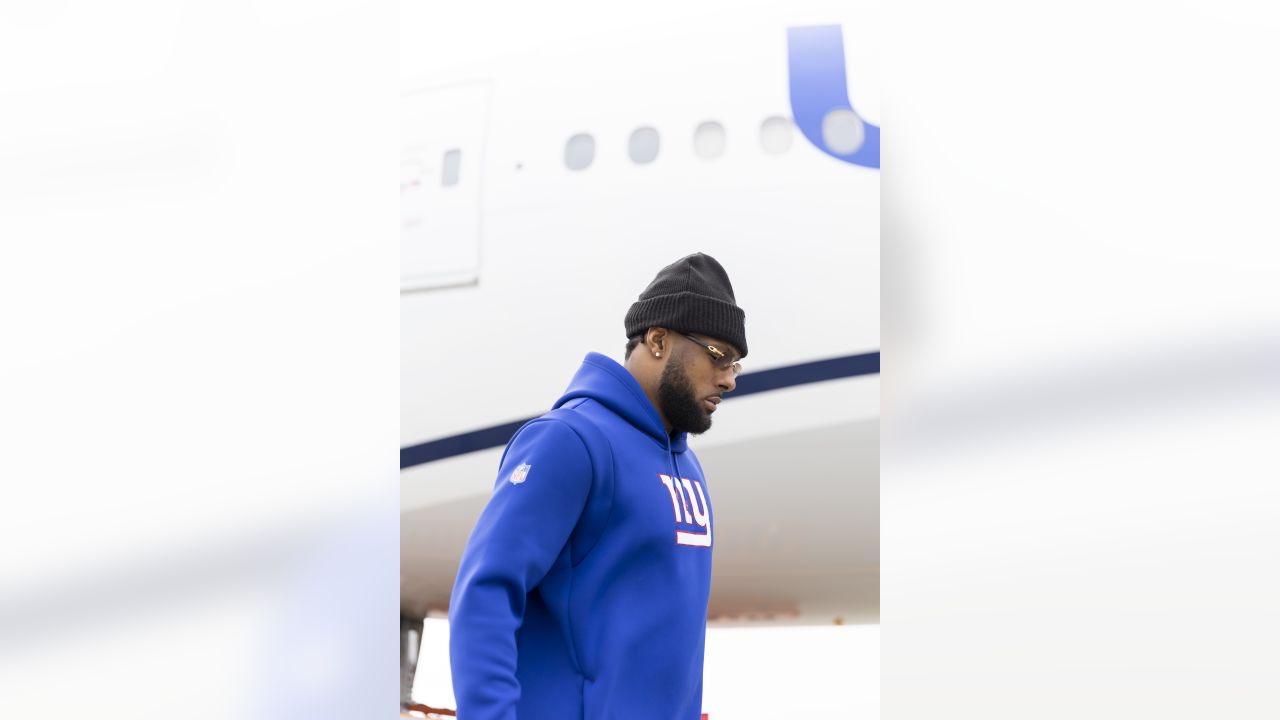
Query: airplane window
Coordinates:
[775,135]
[452,162]
[708,140]
[643,147]
[842,131]
[579,151]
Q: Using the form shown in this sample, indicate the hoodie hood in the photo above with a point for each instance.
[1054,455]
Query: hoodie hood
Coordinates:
[602,379]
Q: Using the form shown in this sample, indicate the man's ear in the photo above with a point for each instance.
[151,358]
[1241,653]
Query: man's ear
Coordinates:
[656,340]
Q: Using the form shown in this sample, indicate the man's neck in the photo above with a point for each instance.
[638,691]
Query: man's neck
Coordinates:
[651,391]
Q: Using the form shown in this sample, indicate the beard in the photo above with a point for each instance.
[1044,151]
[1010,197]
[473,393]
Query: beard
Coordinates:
[677,402]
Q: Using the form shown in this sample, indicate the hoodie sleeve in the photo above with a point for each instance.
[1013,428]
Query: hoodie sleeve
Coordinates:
[540,492]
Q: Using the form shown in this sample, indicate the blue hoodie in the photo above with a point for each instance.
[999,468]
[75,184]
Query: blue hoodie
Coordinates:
[578,598]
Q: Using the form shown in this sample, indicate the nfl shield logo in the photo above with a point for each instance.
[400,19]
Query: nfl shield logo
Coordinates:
[520,473]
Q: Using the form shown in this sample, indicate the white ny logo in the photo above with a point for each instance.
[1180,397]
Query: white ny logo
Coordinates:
[684,490]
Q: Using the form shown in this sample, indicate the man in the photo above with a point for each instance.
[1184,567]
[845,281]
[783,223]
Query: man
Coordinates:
[582,592]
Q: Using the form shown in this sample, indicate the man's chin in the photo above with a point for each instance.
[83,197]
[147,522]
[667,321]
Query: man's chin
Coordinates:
[685,412]
[696,428]
[703,427]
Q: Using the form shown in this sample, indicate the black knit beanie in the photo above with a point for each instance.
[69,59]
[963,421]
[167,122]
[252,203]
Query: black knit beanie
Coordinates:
[692,295]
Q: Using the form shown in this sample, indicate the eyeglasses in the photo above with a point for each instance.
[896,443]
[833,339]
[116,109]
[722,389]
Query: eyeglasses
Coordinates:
[721,360]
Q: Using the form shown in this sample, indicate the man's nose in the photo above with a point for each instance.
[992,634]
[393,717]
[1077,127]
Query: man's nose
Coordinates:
[727,381]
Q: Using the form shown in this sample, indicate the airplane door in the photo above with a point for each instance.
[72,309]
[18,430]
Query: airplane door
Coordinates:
[442,139]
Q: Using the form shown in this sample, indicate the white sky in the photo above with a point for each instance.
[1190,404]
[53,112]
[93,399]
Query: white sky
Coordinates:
[437,36]
[751,673]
